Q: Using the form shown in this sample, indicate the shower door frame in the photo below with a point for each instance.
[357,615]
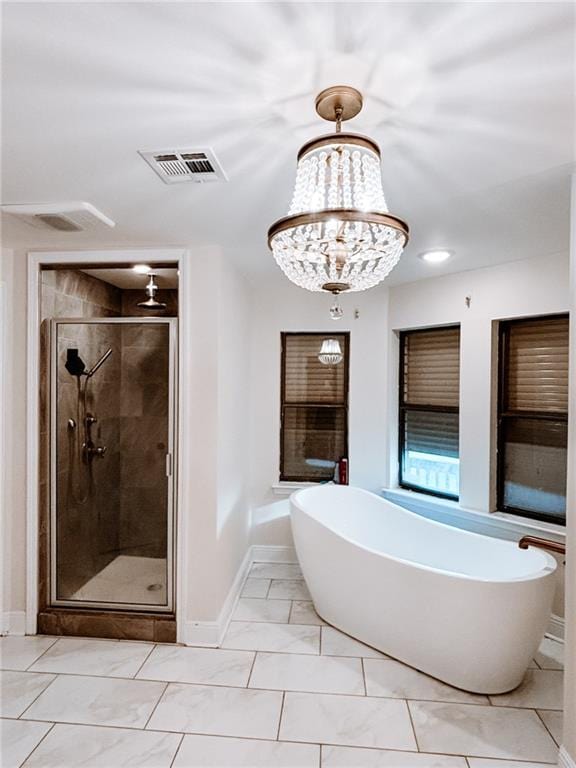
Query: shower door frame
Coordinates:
[171,467]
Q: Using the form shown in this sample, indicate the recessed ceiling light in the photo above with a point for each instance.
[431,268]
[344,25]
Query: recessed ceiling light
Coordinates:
[435,257]
[141,269]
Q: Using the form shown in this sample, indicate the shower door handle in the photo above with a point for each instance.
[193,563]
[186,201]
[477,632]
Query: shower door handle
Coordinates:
[168,465]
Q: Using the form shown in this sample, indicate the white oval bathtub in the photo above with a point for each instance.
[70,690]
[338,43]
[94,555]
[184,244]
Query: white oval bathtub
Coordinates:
[467,609]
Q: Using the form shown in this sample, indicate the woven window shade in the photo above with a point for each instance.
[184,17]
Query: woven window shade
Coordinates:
[306,379]
[432,367]
[432,432]
[314,408]
[537,366]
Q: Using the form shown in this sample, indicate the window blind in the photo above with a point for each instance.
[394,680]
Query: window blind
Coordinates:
[537,365]
[429,410]
[432,367]
[306,379]
[314,426]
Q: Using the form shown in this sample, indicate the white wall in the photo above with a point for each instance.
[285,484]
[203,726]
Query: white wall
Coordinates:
[12,435]
[517,289]
[280,306]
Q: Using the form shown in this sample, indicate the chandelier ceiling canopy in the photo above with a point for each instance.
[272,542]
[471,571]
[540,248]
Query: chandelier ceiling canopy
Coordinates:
[338,235]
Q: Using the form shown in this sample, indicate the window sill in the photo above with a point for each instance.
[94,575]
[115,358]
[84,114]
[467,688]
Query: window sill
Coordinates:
[500,524]
[287,488]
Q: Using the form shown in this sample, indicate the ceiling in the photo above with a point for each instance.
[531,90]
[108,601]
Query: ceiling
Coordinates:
[472,104]
[126,278]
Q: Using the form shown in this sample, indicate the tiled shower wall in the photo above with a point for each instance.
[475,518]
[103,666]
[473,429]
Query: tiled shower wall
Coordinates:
[126,512]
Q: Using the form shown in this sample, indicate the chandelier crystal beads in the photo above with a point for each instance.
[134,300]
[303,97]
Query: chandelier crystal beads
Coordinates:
[338,235]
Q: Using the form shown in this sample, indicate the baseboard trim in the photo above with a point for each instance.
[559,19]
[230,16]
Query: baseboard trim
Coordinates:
[270,553]
[556,628]
[211,633]
[13,623]
[564,759]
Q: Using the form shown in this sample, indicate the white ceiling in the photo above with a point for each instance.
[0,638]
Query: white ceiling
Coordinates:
[125,277]
[472,104]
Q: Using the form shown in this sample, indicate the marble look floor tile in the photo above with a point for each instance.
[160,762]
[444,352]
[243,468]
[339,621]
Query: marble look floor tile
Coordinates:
[256,609]
[256,587]
[540,689]
[319,674]
[303,613]
[336,643]
[211,666]
[387,677]
[88,746]
[354,721]
[17,740]
[218,711]
[553,721]
[20,652]
[550,654]
[217,752]
[481,762]
[79,656]
[258,636]
[283,589]
[356,757]
[275,571]
[19,689]
[465,729]
[97,701]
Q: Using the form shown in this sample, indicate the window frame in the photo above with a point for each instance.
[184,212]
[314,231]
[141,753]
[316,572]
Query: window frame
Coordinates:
[404,407]
[283,405]
[504,413]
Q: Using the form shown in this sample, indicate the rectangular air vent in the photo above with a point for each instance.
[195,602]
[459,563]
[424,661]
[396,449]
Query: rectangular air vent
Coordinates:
[63,217]
[176,165]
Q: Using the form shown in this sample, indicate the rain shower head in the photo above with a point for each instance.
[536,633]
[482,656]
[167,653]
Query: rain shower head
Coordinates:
[151,289]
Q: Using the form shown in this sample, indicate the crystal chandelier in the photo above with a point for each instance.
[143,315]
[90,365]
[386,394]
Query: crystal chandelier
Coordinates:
[330,352]
[338,235]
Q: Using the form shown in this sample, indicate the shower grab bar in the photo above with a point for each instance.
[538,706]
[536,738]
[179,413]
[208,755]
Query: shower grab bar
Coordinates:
[536,541]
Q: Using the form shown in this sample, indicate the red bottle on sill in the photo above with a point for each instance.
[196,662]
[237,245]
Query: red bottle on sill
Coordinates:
[343,471]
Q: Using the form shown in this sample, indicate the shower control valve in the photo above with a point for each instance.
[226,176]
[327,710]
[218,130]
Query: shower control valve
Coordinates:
[95,451]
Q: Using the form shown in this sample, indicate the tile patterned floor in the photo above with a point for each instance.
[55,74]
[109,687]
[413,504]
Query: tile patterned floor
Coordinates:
[284,691]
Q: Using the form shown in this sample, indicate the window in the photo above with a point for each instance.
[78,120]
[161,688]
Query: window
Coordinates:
[429,410]
[314,416]
[533,417]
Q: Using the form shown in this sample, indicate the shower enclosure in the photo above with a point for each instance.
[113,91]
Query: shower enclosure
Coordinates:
[112,463]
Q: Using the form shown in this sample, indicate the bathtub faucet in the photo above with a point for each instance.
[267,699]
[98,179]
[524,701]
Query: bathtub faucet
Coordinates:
[536,541]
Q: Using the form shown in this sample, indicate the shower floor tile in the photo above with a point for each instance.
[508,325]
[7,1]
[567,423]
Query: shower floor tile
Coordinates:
[127,580]
[78,656]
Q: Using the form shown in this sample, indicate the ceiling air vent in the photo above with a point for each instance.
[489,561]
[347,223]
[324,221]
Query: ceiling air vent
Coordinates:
[62,217]
[176,165]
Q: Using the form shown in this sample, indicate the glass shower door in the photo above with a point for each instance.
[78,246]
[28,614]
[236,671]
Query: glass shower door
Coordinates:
[112,449]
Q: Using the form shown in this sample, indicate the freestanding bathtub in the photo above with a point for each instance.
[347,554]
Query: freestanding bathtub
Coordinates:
[467,609]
